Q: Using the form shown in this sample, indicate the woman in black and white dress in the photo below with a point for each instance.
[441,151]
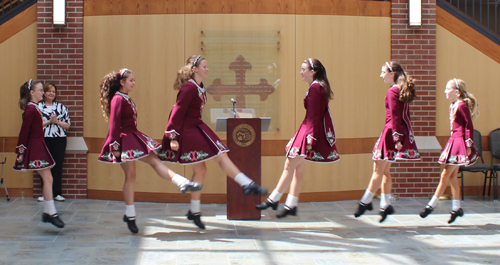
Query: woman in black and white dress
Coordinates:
[56,122]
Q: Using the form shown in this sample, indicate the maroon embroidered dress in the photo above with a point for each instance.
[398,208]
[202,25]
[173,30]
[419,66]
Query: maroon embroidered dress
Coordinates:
[316,130]
[397,129]
[462,131]
[31,143]
[197,142]
[123,135]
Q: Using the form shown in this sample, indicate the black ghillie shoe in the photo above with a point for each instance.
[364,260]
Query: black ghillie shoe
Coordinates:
[385,212]
[131,224]
[53,219]
[266,204]
[428,210]
[254,188]
[455,214]
[288,211]
[190,186]
[362,208]
[196,218]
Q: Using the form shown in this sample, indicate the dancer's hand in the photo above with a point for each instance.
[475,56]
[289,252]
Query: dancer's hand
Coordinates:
[174,145]
[469,151]
[309,147]
[399,146]
[20,159]
[117,154]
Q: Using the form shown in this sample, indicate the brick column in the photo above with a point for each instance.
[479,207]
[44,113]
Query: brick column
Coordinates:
[415,50]
[60,60]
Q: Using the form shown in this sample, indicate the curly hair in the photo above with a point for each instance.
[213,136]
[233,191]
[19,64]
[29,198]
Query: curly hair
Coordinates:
[405,82]
[467,97]
[110,84]
[186,72]
[24,92]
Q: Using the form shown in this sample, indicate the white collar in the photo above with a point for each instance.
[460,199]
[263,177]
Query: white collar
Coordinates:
[201,89]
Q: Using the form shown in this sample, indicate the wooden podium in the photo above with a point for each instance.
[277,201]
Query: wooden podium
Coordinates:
[244,143]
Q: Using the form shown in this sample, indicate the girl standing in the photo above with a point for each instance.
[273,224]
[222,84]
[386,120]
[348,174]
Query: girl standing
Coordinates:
[314,140]
[31,150]
[459,150]
[188,140]
[124,143]
[396,141]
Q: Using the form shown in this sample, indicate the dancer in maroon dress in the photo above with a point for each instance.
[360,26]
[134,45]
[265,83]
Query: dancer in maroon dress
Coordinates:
[32,153]
[124,143]
[188,140]
[396,141]
[314,140]
[459,150]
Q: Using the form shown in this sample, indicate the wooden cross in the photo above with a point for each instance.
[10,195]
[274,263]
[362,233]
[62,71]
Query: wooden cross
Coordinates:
[240,89]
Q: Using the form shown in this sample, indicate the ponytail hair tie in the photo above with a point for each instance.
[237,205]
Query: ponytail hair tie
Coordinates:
[122,71]
[29,84]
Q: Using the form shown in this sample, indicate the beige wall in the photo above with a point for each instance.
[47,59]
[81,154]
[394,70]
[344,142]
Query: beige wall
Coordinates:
[352,50]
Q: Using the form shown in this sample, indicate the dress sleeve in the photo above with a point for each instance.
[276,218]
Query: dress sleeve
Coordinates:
[184,98]
[396,112]
[468,126]
[22,143]
[313,114]
[115,120]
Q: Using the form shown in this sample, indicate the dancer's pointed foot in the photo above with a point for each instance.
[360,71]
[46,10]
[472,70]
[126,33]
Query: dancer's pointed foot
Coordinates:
[455,214]
[288,211]
[362,208]
[190,186]
[53,219]
[266,204]
[196,218]
[131,224]
[385,212]
[428,210]
[254,188]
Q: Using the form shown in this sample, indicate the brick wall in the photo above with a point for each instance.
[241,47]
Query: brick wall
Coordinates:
[60,60]
[415,49]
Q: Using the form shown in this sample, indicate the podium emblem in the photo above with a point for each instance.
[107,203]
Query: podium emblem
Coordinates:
[243,135]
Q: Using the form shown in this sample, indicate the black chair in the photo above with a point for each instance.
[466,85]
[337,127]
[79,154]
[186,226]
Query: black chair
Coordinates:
[495,153]
[477,167]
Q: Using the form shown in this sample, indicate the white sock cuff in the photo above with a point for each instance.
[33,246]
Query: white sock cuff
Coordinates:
[242,179]
[130,210]
[178,179]
[455,205]
[275,196]
[195,206]
[367,197]
[291,201]
[432,203]
[385,200]
[49,207]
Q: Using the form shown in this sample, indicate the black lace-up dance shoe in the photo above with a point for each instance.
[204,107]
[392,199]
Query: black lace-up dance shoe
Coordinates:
[362,208]
[196,218]
[131,224]
[53,219]
[266,204]
[254,188]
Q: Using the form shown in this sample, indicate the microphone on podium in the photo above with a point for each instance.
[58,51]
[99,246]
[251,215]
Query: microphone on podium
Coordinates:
[234,103]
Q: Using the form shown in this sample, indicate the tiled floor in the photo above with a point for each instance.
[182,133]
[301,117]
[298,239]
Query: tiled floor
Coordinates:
[322,233]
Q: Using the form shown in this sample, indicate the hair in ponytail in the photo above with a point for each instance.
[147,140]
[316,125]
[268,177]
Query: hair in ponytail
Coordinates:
[186,72]
[24,92]
[320,76]
[405,82]
[465,96]
[110,84]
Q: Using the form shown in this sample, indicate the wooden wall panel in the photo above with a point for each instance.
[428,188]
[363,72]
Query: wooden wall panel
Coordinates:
[152,47]
[353,50]
[132,7]
[458,59]
[18,63]
[240,7]
[344,8]
[18,23]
